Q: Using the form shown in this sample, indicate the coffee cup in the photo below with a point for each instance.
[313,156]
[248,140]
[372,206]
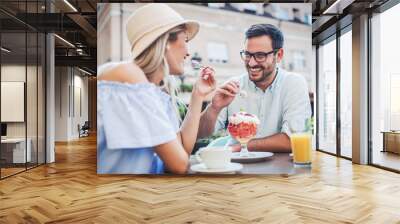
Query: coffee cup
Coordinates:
[215,157]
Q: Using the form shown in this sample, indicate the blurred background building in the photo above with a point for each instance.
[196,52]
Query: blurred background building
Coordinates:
[221,36]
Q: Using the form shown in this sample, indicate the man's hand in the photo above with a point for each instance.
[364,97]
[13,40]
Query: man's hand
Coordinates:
[225,95]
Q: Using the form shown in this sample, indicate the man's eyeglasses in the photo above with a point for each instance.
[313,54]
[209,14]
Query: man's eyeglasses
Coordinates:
[258,56]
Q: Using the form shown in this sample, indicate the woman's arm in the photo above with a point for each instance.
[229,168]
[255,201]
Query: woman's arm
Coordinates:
[190,126]
[174,156]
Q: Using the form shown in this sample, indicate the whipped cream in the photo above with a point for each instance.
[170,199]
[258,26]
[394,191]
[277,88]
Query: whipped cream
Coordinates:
[243,117]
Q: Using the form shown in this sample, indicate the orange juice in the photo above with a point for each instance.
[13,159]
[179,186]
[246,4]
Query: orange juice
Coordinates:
[301,148]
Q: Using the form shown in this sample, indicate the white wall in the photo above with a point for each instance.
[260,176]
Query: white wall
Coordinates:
[13,73]
[70,84]
[80,100]
[62,81]
[33,126]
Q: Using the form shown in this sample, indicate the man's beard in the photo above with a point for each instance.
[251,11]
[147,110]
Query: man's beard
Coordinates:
[266,73]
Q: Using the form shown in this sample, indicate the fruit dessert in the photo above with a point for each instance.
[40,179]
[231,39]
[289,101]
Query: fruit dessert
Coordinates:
[243,126]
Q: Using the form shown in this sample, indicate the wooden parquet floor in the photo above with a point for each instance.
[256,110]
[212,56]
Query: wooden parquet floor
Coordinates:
[10,171]
[70,191]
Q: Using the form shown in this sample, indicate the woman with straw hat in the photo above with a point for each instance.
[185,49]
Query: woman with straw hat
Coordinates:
[138,125]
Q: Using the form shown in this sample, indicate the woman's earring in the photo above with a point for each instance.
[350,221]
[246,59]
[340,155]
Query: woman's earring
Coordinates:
[167,47]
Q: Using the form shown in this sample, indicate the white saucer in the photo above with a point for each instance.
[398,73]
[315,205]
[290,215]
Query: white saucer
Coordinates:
[251,158]
[201,168]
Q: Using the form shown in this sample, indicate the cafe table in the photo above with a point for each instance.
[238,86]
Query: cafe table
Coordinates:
[278,164]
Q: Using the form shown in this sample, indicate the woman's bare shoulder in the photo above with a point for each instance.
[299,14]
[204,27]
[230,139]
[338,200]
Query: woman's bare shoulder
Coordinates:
[124,72]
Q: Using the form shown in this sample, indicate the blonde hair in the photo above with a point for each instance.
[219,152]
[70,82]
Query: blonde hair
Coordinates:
[154,56]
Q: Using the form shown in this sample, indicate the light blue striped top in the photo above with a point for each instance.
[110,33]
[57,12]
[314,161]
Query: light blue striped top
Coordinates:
[132,120]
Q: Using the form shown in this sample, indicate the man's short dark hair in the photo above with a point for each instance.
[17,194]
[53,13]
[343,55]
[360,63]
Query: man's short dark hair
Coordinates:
[269,30]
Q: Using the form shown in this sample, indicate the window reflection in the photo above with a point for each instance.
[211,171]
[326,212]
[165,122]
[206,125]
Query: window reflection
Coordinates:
[346,94]
[327,97]
[385,84]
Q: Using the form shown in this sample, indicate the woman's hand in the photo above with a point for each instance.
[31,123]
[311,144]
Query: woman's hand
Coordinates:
[206,83]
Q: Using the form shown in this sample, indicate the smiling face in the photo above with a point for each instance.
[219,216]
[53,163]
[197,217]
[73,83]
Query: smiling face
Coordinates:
[260,71]
[177,52]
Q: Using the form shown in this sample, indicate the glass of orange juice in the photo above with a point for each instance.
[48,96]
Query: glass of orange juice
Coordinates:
[301,142]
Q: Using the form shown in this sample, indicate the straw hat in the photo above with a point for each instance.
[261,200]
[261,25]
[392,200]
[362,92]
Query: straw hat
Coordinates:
[149,22]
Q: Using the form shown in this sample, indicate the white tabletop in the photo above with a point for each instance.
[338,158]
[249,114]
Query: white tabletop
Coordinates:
[279,163]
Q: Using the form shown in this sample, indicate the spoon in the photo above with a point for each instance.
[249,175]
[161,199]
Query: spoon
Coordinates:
[243,93]
[197,64]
